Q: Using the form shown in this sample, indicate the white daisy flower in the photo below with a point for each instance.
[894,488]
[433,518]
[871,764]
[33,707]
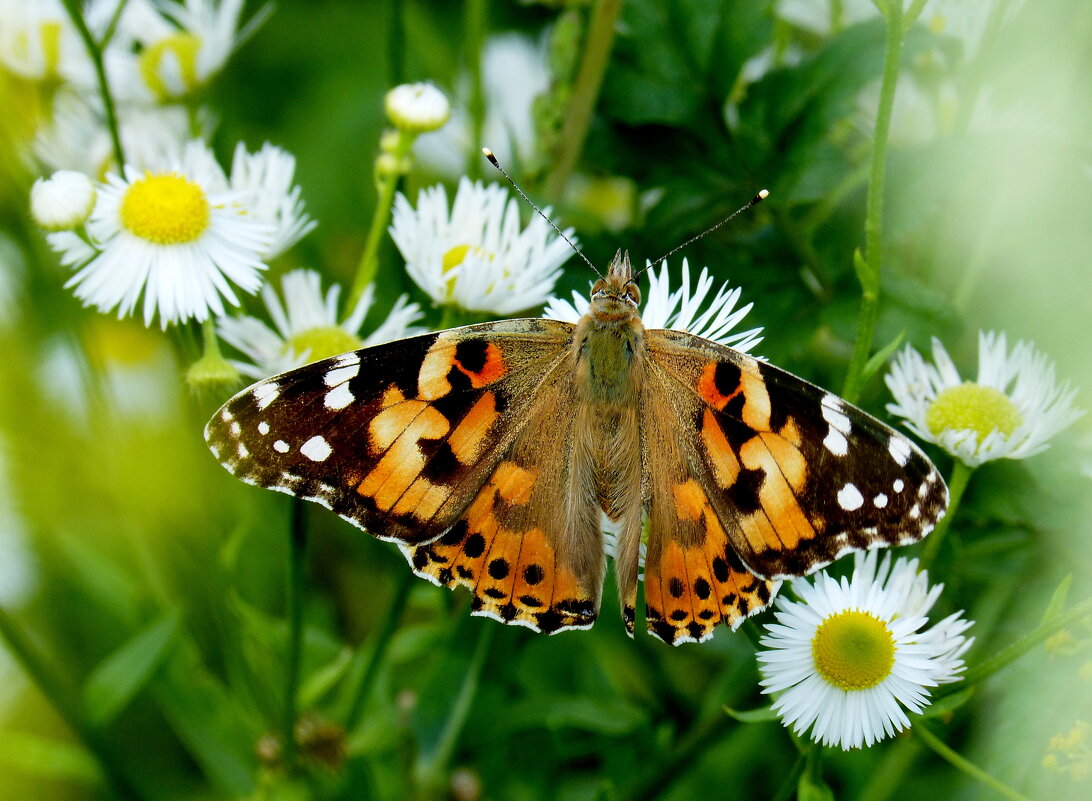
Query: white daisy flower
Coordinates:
[179,236]
[477,257]
[678,310]
[1009,412]
[37,40]
[185,44]
[851,654]
[307,326]
[266,176]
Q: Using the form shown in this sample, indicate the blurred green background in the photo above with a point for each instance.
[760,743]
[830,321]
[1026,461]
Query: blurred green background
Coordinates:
[117,527]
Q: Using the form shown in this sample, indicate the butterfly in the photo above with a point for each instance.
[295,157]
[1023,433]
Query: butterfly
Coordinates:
[492,453]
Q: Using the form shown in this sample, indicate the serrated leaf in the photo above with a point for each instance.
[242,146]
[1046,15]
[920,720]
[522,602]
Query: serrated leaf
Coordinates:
[763,714]
[119,677]
[44,757]
[878,359]
[1058,598]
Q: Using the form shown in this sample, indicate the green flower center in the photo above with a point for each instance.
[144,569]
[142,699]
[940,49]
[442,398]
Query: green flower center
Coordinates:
[323,341]
[853,650]
[973,407]
[184,47]
[166,209]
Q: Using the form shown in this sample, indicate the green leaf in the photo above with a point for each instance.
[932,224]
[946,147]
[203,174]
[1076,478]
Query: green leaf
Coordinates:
[1058,599]
[865,274]
[764,714]
[812,788]
[47,758]
[119,677]
[880,357]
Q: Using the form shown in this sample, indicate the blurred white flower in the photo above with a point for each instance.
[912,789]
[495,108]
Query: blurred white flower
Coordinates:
[266,178]
[476,256]
[37,40]
[514,73]
[1009,412]
[679,310]
[306,326]
[18,573]
[825,18]
[852,653]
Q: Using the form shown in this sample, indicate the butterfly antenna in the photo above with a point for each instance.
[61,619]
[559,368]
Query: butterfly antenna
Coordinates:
[493,160]
[762,195]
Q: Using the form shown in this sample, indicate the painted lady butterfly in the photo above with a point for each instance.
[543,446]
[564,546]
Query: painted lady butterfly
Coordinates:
[490,454]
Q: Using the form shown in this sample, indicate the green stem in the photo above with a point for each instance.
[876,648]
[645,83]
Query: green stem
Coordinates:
[379,650]
[475,17]
[792,781]
[961,474]
[965,765]
[429,772]
[869,272]
[94,50]
[209,339]
[589,79]
[1006,656]
[386,184]
[66,702]
[297,561]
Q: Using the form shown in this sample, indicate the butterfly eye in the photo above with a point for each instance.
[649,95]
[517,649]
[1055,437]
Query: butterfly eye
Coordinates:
[634,293]
[598,286]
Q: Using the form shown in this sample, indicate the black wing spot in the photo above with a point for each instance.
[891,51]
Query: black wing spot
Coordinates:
[471,354]
[702,588]
[720,570]
[675,587]
[726,378]
[455,535]
[475,546]
[679,614]
[744,493]
[498,569]
[533,574]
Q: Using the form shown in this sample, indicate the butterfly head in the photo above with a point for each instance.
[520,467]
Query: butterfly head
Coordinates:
[617,294]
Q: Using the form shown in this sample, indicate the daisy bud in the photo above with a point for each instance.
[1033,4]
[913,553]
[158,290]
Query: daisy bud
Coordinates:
[62,201]
[388,164]
[212,371]
[417,107]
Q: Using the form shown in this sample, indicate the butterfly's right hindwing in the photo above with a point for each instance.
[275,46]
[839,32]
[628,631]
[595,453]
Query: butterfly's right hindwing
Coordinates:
[397,438]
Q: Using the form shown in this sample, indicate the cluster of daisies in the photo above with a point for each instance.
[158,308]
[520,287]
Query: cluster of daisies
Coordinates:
[176,235]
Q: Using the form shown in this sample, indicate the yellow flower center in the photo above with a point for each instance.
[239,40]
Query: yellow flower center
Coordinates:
[456,256]
[167,209]
[974,407]
[184,47]
[853,650]
[319,343]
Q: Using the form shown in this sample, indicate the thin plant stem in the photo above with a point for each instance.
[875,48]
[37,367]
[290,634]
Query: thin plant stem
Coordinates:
[297,561]
[957,760]
[379,650]
[871,264]
[66,702]
[1011,653]
[475,17]
[792,781]
[94,50]
[589,79]
[386,184]
[961,474]
[430,771]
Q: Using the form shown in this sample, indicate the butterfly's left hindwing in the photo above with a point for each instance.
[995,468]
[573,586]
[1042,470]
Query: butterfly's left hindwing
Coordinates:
[397,438]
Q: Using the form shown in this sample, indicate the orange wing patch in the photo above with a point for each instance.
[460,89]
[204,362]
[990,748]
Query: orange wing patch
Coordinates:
[514,576]
[690,588]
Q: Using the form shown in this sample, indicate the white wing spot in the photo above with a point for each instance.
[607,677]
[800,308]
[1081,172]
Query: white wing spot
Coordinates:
[836,442]
[347,359]
[831,407]
[316,449]
[243,452]
[899,449]
[225,416]
[899,485]
[339,397]
[850,498]
[263,428]
[915,512]
[340,375]
[265,393]
[280,446]
[880,501]
[236,429]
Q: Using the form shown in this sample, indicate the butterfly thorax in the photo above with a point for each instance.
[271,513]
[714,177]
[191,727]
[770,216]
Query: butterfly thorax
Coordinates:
[609,342]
